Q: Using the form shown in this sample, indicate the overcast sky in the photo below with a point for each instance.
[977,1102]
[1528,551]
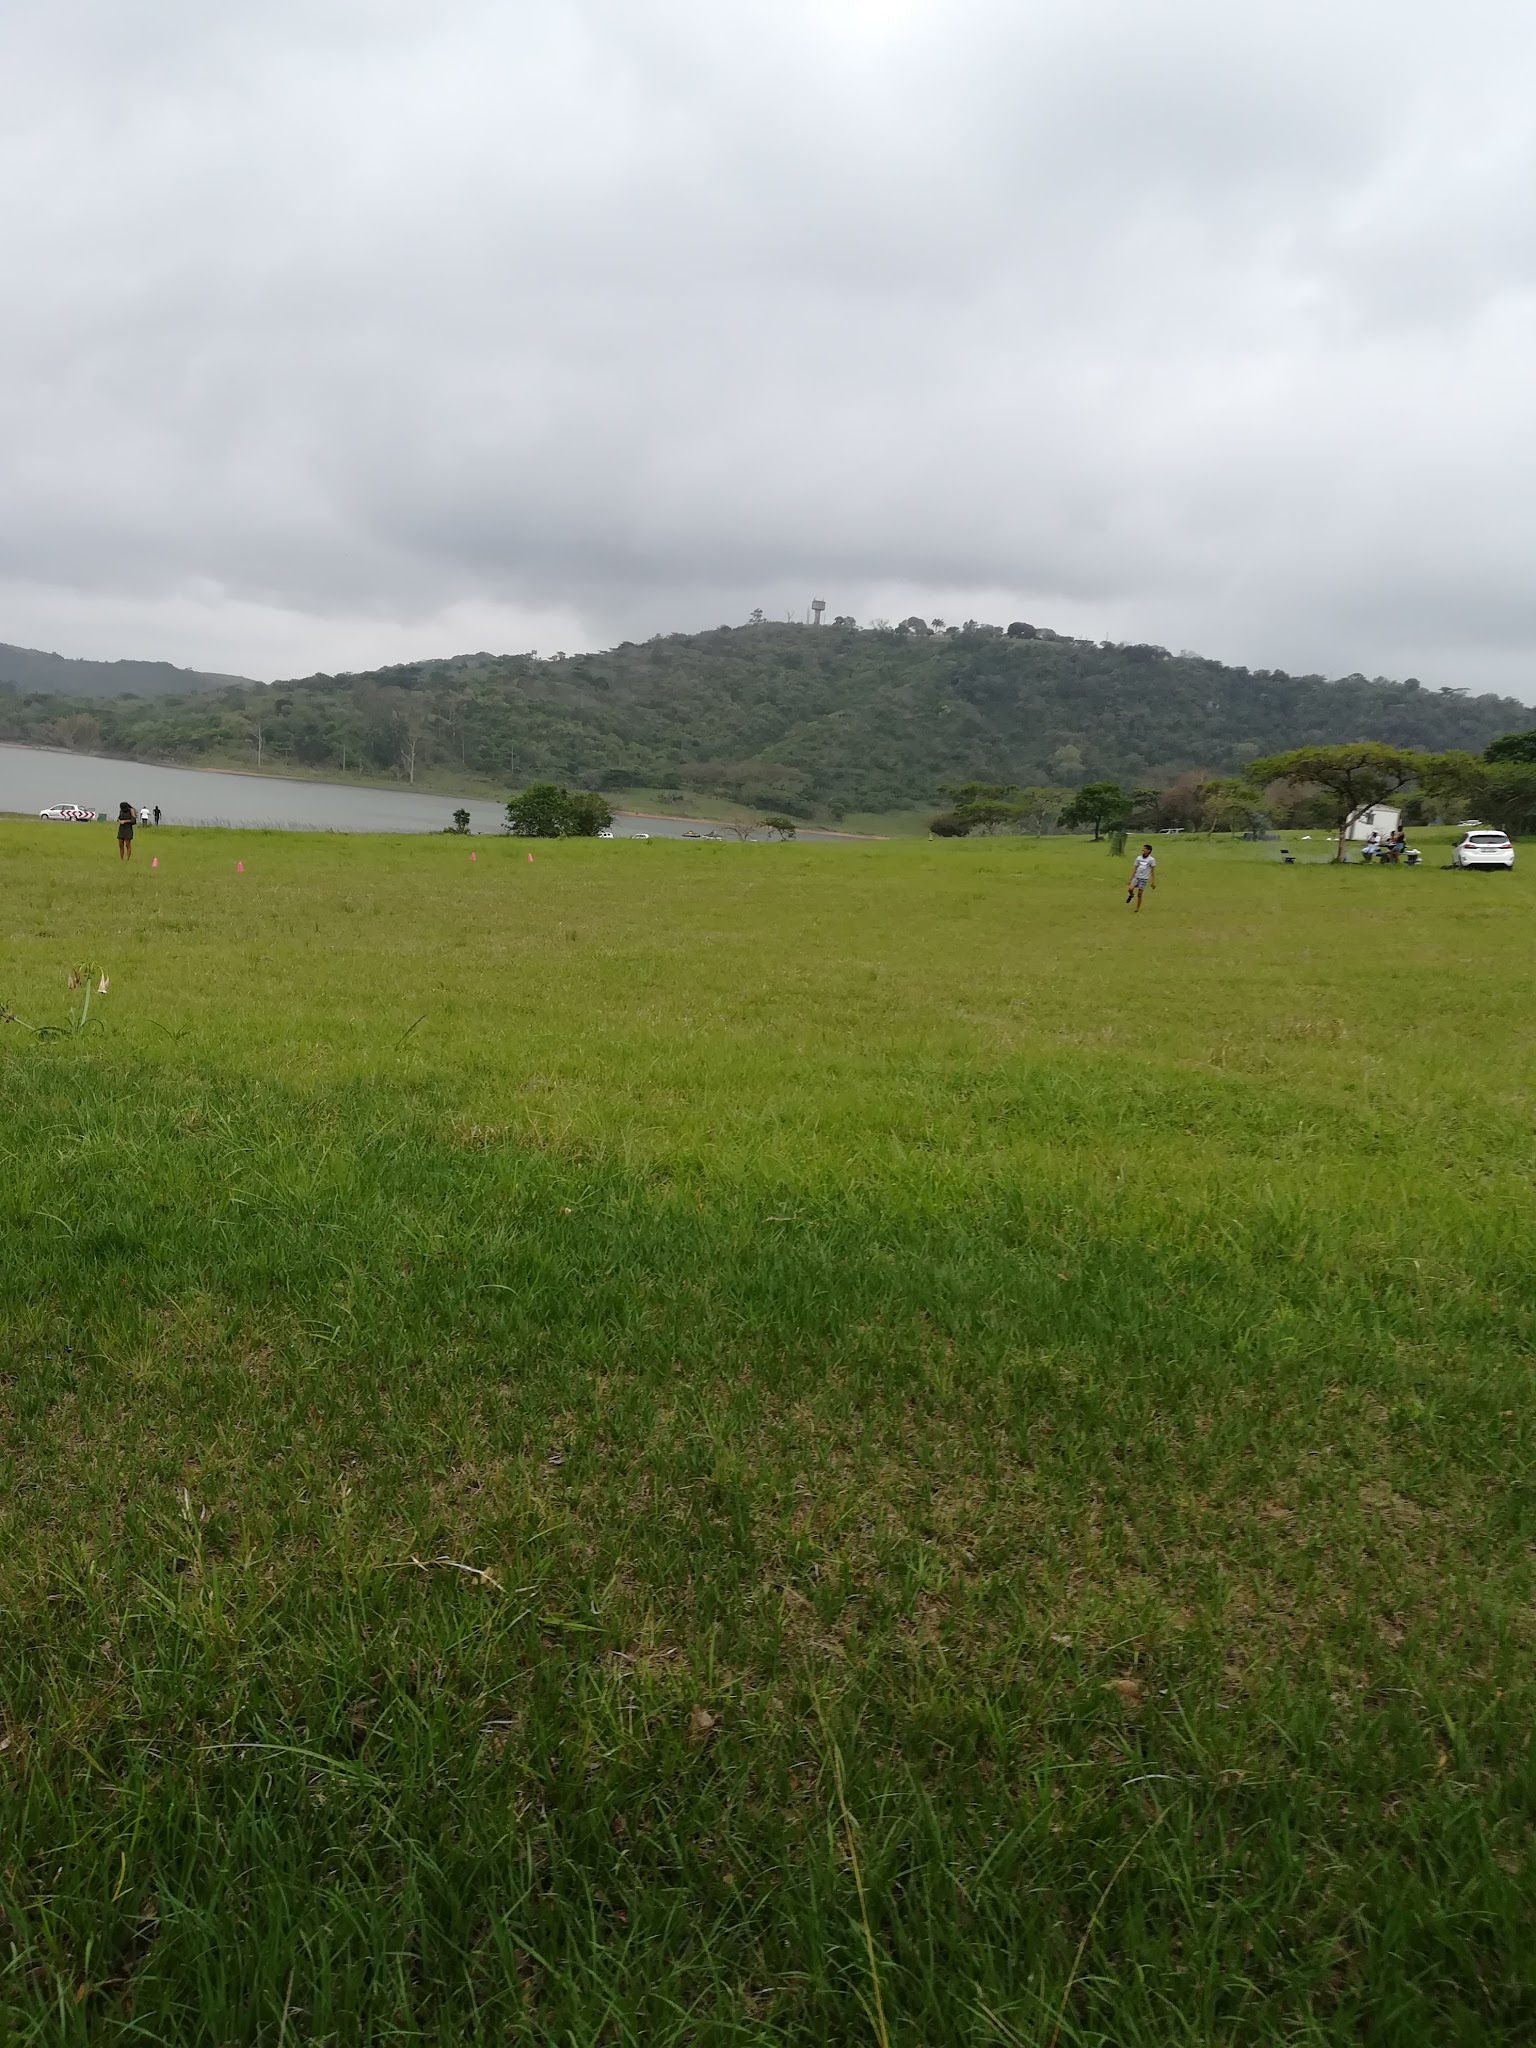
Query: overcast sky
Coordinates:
[336,332]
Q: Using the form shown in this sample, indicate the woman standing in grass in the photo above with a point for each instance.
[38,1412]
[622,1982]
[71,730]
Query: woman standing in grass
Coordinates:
[1143,875]
[125,818]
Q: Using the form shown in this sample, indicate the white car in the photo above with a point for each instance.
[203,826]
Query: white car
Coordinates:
[69,814]
[1483,849]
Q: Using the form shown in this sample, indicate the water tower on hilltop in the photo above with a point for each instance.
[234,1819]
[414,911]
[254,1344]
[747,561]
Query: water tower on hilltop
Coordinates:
[818,606]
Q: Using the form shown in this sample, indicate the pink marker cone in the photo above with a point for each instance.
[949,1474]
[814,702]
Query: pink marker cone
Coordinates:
[154,860]
[472,856]
[239,867]
[530,860]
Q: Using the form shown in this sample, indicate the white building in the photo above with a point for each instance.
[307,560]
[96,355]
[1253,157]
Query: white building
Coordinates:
[1382,819]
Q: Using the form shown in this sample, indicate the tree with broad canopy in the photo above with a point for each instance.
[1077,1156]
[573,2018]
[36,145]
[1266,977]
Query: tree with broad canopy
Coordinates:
[1355,777]
[547,810]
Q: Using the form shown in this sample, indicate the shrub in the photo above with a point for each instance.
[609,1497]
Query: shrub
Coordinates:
[547,810]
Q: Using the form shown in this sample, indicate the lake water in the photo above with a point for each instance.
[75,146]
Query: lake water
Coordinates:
[32,778]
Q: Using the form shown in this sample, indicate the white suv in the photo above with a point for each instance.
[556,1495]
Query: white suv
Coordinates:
[1483,850]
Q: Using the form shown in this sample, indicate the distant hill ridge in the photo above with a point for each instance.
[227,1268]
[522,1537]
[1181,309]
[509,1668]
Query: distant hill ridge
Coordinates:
[816,721]
[61,676]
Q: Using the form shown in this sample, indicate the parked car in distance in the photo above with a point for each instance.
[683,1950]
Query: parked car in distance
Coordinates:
[69,814]
[1483,849]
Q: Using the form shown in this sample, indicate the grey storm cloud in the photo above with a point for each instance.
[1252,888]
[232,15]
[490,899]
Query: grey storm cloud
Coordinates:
[353,330]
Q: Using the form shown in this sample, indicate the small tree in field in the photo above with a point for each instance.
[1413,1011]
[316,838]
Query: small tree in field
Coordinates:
[990,817]
[1228,804]
[1097,804]
[781,827]
[588,815]
[461,821]
[1296,803]
[1354,777]
[1500,790]
[539,813]
[546,810]
[1040,806]
[1508,796]
[1181,805]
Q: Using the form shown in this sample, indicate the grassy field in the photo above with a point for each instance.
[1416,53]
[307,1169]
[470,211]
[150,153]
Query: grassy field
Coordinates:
[722,1444]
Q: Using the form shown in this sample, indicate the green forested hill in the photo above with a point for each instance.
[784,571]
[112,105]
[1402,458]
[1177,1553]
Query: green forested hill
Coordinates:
[58,675]
[809,720]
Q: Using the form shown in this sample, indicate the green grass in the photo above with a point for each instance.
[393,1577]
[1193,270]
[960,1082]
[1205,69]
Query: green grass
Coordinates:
[723,1444]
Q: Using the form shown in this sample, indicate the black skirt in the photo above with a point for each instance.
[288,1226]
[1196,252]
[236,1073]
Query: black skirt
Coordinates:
[124,829]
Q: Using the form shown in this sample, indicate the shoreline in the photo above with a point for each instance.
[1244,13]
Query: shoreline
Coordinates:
[388,789]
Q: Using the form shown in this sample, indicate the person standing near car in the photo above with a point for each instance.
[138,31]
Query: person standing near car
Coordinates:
[125,823]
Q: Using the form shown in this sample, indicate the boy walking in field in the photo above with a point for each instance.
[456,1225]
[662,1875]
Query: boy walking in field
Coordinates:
[1143,876]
